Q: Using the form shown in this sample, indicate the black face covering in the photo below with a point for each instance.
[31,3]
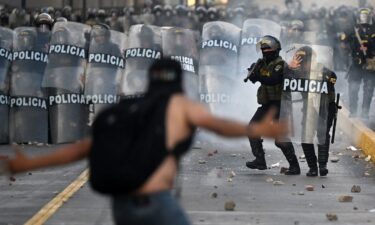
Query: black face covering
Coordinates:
[270,56]
[165,78]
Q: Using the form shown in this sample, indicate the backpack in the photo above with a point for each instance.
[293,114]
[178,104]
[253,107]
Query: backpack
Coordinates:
[128,144]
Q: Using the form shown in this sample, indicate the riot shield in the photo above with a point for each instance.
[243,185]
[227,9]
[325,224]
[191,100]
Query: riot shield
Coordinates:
[305,96]
[64,80]
[105,68]
[144,46]
[253,30]
[28,113]
[6,42]
[218,65]
[179,44]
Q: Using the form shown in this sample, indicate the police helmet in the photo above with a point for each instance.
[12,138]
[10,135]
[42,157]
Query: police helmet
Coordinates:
[44,19]
[61,19]
[181,10]
[101,30]
[201,10]
[157,8]
[269,42]
[364,16]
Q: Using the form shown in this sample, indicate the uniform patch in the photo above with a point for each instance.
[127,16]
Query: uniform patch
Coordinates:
[278,67]
[265,72]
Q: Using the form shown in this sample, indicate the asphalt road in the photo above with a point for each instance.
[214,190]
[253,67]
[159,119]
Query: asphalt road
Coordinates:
[257,201]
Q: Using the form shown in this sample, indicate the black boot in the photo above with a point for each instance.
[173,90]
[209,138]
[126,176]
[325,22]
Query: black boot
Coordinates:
[259,163]
[288,151]
[257,149]
[309,151]
[323,153]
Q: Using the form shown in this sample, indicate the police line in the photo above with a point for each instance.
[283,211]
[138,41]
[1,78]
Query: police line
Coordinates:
[59,99]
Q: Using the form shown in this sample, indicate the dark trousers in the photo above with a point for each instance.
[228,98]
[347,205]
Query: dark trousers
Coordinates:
[358,75]
[153,209]
[256,143]
[323,139]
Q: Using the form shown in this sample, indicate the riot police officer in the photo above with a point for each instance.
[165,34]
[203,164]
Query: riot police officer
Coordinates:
[362,44]
[269,72]
[44,23]
[302,64]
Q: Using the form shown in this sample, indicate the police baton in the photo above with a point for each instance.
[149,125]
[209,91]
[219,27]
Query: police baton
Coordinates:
[338,106]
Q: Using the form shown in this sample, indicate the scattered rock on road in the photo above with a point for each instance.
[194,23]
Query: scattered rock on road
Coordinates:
[345,198]
[201,161]
[269,180]
[335,159]
[356,189]
[278,183]
[331,217]
[214,195]
[309,188]
[229,206]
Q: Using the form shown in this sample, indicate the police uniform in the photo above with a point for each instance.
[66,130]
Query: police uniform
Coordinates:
[270,75]
[327,112]
[359,71]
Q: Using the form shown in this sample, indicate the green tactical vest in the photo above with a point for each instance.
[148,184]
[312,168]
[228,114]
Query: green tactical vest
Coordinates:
[267,93]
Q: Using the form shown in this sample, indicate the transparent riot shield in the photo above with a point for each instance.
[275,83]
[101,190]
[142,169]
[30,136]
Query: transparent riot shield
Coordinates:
[252,31]
[6,42]
[218,65]
[144,46]
[64,79]
[28,113]
[306,90]
[179,44]
[105,67]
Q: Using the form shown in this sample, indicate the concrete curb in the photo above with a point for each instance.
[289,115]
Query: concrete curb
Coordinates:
[360,135]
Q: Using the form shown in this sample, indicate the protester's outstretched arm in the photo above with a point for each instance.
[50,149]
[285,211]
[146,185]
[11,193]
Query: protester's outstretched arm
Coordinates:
[67,154]
[199,116]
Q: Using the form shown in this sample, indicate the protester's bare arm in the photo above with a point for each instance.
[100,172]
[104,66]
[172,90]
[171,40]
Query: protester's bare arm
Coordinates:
[67,154]
[199,116]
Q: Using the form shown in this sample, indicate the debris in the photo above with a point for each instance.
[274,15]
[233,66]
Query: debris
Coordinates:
[302,157]
[215,187]
[345,198]
[355,208]
[368,158]
[276,165]
[214,195]
[309,188]
[278,183]
[232,174]
[229,206]
[323,186]
[201,161]
[310,204]
[210,154]
[229,180]
[372,210]
[294,185]
[30,173]
[216,151]
[269,180]
[356,156]
[233,155]
[39,144]
[331,217]
[352,148]
[335,159]
[13,179]
[283,169]
[356,189]
[366,174]
[301,193]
